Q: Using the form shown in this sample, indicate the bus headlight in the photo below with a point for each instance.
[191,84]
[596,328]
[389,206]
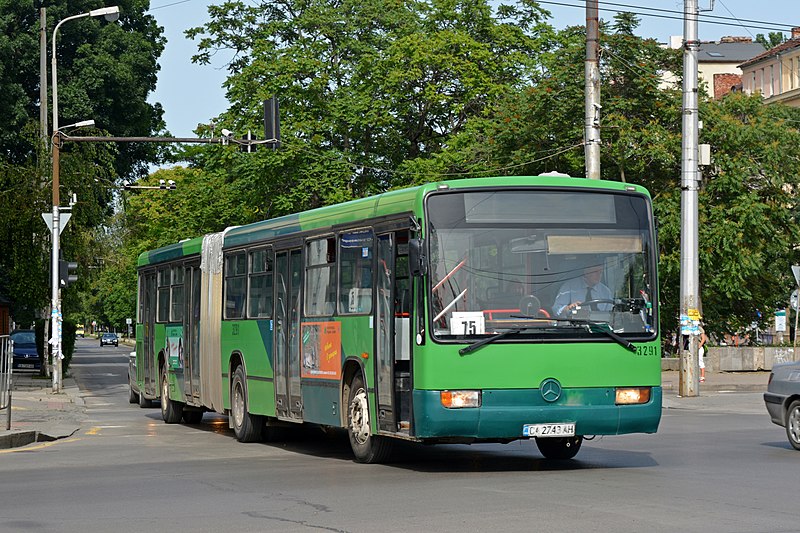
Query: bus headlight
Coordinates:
[457,399]
[632,395]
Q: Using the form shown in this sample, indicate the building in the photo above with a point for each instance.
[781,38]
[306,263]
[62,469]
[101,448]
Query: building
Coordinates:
[718,62]
[775,73]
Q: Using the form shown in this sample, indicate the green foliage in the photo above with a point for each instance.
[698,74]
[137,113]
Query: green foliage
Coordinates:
[105,72]
[771,40]
[379,94]
[363,86]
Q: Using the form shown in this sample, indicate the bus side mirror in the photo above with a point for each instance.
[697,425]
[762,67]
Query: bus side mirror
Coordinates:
[416,257]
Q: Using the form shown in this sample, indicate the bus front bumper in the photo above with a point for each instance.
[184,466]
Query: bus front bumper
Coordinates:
[503,413]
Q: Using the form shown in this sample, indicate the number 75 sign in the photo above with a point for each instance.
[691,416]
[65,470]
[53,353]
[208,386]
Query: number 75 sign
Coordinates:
[467,323]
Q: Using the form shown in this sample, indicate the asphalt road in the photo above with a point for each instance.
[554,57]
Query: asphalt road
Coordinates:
[715,465]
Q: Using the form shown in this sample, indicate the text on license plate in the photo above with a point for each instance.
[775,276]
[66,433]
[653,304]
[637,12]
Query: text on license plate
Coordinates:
[25,365]
[549,430]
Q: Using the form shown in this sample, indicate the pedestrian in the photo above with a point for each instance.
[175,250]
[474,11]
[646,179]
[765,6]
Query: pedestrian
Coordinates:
[701,351]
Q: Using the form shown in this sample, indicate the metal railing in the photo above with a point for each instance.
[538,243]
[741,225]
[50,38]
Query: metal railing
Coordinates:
[6,365]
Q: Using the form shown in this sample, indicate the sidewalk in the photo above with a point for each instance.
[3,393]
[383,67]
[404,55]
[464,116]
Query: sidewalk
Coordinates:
[38,415]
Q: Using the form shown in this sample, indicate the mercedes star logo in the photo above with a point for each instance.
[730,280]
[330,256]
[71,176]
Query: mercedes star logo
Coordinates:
[550,389]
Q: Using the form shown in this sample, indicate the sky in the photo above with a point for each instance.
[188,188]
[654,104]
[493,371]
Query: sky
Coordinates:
[192,94]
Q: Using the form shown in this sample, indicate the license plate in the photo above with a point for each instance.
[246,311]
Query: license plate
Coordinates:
[25,365]
[549,430]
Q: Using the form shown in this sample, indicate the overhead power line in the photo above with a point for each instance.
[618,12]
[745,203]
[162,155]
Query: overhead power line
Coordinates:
[678,15]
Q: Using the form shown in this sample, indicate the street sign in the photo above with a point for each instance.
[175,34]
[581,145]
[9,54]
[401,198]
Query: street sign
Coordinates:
[793,299]
[64,218]
[796,272]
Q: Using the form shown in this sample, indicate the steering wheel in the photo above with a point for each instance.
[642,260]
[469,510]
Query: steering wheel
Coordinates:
[531,306]
[597,301]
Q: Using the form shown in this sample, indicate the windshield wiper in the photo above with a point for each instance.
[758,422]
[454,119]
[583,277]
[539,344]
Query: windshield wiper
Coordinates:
[594,327]
[600,327]
[488,340]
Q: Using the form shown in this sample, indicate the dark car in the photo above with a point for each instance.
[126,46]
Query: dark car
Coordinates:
[25,353]
[783,399]
[109,338]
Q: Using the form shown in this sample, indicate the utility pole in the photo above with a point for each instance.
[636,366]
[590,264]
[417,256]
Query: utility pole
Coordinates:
[43,75]
[43,132]
[592,92]
[690,272]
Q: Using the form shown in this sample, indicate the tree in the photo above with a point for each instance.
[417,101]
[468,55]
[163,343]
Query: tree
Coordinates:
[105,72]
[363,86]
[771,40]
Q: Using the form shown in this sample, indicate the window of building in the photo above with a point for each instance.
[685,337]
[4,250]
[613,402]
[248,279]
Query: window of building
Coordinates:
[320,289]
[259,295]
[235,284]
[355,272]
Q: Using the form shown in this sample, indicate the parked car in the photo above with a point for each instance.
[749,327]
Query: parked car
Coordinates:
[783,399]
[25,353]
[109,338]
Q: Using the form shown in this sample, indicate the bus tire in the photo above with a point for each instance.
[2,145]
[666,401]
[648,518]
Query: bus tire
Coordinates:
[133,396]
[171,411]
[559,448]
[246,427]
[367,448]
[144,403]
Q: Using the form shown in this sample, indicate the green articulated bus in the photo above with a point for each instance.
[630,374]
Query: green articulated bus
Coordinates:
[451,312]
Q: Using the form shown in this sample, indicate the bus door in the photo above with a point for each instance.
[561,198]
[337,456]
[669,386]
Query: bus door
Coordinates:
[392,342]
[147,369]
[191,338]
[288,394]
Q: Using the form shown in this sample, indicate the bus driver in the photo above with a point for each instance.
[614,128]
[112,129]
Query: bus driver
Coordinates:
[587,288]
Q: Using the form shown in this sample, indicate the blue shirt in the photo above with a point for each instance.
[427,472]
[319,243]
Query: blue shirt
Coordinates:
[574,290]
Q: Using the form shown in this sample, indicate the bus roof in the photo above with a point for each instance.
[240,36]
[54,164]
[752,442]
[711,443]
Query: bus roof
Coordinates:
[171,251]
[395,202]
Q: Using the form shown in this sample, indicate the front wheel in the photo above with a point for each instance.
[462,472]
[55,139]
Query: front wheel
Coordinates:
[246,427]
[171,411]
[133,396]
[793,424]
[367,448]
[559,447]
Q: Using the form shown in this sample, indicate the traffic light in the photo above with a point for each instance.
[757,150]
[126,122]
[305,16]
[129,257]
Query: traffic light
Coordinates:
[67,273]
[272,122]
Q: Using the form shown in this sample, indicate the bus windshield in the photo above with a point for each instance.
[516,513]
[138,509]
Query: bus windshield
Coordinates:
[544,264]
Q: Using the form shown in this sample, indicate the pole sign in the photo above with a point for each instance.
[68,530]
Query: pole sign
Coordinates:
[780,320]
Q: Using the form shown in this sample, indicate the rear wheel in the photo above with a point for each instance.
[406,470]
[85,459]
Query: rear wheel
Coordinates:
[367,448]
[246,427]
[793,424]
[171,411]
[559,447]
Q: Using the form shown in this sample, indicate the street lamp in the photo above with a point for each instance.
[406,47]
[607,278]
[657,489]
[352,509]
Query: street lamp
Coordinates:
[111,14]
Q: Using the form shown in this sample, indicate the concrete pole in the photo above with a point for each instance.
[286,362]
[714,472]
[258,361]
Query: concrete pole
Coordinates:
[690,275]
[592,92]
